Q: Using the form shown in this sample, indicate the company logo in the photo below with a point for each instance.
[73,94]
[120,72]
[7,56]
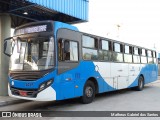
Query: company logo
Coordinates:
[6,114]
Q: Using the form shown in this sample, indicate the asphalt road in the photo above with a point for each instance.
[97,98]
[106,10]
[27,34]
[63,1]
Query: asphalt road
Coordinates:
[123,100]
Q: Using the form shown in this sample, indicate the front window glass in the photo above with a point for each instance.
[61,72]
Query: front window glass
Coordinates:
[33,54]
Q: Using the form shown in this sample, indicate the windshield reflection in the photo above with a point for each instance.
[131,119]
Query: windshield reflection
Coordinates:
[33,54]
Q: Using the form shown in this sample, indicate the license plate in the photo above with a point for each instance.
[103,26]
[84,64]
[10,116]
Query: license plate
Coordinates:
[22,93]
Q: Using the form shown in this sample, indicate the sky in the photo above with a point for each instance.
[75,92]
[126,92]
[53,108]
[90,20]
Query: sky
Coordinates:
[138,21]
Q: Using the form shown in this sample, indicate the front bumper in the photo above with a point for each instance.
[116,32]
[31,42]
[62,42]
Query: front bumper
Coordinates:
[48,94]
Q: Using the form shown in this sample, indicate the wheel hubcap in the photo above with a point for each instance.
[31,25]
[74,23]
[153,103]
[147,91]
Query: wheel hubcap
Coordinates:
[89,91]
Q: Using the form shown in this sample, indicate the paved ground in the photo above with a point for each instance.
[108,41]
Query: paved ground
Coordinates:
[123,100]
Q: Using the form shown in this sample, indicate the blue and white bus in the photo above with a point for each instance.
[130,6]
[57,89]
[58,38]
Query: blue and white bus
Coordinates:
[51,60]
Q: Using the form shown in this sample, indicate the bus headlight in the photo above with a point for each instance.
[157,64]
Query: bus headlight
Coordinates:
[49,82]
[45,85]
[42,87]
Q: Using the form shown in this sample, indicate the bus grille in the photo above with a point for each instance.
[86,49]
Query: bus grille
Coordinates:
[28,93]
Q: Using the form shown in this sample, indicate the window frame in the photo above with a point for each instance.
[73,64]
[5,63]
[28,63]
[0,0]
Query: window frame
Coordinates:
[96,47]
[136,54]
[121,51]
[104,50]
[129,52]
[95,41]
[63,60]
[141,55]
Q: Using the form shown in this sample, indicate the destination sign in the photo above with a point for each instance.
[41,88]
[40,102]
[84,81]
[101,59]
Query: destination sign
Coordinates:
[32,29]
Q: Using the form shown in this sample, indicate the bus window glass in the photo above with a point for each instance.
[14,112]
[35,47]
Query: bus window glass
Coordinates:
[149,53]
[136,59]
[34,51]
[74,51]
[136,51]
[45,49]
[104,55]
[154,54]
[70,50]
[33,54]
[126,49]
[117,57]
[90,54]
[150,60]
[104,45]
[143,52]
[22,51]
[143,59]
[127,54]
[88,42]
[127,58]
[116,47]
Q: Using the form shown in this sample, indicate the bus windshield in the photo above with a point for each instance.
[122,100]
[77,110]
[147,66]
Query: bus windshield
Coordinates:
[32,54]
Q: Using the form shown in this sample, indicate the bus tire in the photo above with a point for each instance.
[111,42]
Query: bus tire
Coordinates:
[88,92]
[140,84]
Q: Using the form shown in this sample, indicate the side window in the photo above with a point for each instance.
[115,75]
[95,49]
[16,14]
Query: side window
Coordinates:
[143,56]
[89,49]
[144,52]
[150,57]
[105,45]
[105,50]
[68,50]
[117,47]
[117,55]
[136,55]
[128,54]
[136,51]
[154,57]
[88,42]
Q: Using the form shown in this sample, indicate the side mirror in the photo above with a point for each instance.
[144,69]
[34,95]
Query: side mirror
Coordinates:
[8,46]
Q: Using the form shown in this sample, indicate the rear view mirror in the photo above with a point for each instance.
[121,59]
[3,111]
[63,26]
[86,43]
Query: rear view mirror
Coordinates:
[8,46]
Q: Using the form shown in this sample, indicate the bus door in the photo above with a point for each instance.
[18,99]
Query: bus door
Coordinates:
[68,61]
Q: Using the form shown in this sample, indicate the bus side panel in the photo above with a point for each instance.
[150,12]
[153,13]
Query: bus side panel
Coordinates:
[152,72]
[89,69]
[149,72]
[71,82]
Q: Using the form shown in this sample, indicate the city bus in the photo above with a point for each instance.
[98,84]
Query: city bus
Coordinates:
[51,60]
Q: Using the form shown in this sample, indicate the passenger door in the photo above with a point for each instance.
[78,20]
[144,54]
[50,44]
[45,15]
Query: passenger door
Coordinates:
[68,61]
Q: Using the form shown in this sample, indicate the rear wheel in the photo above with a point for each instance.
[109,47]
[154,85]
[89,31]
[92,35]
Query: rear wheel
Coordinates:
[88,92]
[140,84]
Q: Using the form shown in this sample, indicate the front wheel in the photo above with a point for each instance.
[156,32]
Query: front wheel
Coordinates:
[140,84]
[88,92]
